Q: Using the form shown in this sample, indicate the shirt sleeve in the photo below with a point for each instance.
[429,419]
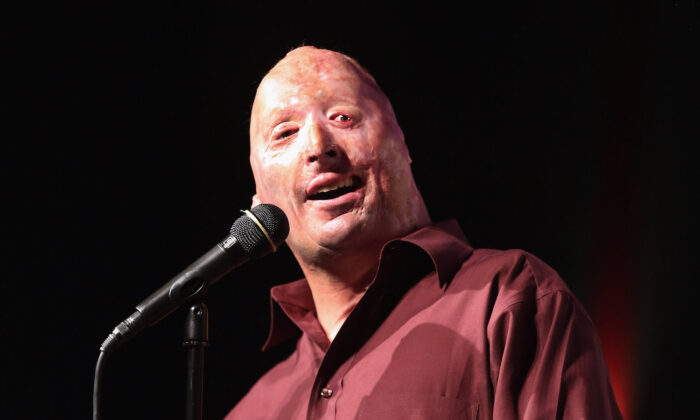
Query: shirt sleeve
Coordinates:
[546,362]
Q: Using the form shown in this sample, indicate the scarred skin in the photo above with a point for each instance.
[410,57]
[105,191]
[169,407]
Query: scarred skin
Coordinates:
[318,119]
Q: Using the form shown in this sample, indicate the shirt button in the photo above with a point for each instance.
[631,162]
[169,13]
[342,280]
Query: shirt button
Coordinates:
[326,392]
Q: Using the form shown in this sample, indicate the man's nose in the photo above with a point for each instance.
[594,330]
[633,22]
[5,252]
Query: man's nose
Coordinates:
[321,146]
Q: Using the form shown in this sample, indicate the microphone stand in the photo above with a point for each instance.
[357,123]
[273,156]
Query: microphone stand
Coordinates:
[249,232]
[195,340]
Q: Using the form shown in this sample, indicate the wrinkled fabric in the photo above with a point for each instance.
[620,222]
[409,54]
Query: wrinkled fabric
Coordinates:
[443,332]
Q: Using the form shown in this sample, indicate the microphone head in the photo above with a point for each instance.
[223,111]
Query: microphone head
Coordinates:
[253,240]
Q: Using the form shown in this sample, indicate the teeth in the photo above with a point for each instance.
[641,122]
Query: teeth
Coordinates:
[347,182]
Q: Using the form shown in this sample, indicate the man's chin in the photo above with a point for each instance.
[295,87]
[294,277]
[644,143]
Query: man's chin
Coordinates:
[339,231]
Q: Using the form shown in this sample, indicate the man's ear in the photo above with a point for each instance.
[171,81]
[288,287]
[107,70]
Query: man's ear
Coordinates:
[255,201]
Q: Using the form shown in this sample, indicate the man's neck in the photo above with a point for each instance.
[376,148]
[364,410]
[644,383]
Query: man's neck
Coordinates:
[336,288]
[339,279]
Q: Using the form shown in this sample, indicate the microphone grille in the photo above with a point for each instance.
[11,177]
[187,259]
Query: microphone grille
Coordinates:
[252,239]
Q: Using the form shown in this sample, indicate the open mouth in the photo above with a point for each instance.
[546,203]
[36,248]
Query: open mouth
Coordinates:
[337,189]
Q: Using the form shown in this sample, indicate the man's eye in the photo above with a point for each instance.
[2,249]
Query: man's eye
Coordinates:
[284,133]
[341,118]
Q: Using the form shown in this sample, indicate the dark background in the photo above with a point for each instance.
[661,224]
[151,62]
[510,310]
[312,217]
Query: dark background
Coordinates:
[564,130]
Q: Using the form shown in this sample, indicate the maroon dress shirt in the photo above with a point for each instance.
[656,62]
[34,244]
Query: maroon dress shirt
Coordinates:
[443,332]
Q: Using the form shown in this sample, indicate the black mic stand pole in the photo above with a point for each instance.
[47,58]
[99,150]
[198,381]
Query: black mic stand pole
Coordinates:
[195,340]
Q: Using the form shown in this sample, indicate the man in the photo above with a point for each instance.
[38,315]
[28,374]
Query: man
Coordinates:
[399,318]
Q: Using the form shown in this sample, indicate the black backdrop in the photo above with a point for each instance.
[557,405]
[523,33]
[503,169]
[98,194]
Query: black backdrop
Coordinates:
[563,130]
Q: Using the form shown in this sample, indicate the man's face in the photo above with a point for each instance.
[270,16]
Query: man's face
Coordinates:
[326,149]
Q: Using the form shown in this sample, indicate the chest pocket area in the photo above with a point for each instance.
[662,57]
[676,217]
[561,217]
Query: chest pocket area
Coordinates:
[415,407]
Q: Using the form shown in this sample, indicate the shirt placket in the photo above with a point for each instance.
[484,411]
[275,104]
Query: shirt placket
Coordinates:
[325,390]
[369,313]
[328,393]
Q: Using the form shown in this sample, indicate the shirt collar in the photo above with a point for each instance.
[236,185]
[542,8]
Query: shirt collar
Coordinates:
[292,307]
[446,246]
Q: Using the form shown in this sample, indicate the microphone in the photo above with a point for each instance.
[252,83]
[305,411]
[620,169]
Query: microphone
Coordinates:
[253,235]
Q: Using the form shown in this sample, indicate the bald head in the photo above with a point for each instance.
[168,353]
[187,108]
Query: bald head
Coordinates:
[310,59]
[306,65]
